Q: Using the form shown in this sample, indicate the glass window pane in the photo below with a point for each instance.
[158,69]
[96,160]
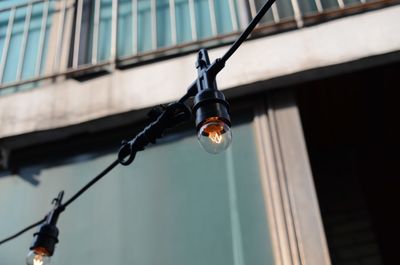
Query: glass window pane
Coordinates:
[203,19]
[125,37]
[176,205]
[104,46]
[48,27]
[3,30]
[10,3]
[10,69]
[268,17]
[285,9]
[86,33]
[307,6]
[32,45]
[183,26]
[223,16]
[4,16]
[352,2]
[329,4]
[163,24]
[144,25]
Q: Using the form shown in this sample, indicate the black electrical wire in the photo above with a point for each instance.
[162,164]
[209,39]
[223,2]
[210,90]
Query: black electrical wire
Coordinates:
[224,58]
[248,30]
[91,183]
[63,206]
[174,119]
[22,231]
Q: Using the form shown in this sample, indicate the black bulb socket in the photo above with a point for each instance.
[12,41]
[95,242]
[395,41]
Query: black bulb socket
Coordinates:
[46,238]
[210,103]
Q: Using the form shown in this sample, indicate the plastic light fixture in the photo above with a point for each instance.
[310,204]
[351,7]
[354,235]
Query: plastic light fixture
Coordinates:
[44,244]
[210,107]
[46,238]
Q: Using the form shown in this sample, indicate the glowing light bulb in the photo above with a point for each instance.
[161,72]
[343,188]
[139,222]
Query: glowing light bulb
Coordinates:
[38,256]
[214,135]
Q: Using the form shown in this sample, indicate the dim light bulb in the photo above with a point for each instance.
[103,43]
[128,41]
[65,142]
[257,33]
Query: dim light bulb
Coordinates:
[214,135]
[38,256]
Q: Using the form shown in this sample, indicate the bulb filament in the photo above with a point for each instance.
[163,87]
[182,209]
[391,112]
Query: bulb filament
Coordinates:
[215,137]
[37,260]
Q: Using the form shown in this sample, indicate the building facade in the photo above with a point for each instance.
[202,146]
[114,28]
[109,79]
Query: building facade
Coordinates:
[302,182]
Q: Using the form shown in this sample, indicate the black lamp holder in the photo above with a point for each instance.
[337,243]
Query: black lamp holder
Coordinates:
[209,102]
[47,236]
[205,91]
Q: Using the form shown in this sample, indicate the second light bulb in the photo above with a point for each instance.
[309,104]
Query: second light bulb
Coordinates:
[214,135]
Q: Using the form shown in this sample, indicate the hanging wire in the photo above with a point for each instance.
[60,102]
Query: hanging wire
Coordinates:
[22,231]
[218,65]
[63,206]
[171,116]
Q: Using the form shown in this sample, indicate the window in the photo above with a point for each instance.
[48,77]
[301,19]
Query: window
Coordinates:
[24,38]
[189,208]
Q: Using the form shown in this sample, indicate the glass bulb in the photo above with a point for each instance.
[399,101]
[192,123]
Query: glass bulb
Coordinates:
[38,256]
[215,135]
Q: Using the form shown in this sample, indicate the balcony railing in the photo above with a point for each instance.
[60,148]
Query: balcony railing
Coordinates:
[52,39]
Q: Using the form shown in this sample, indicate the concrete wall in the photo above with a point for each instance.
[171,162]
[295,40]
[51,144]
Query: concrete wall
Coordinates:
[72,102]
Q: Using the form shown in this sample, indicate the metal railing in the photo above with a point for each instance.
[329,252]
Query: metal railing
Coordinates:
[72,34]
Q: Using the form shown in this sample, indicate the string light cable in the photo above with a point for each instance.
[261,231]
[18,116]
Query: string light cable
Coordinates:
[212,123]
[22,231]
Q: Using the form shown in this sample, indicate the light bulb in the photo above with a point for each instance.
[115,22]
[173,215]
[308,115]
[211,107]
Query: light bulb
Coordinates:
[38,256]
[214,135]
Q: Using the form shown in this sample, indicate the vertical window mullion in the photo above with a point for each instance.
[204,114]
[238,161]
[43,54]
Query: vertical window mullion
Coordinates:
[275,13]
[340,3]
[234,19]
[297,12]
[173,21]
[24,41]
[114,30]
[78,24]
[319,6]
[42,37]
[61,26]
[193,20]
[134,26]
[153,12]
[253,9]
[211,5]
[4,55]
[96,25]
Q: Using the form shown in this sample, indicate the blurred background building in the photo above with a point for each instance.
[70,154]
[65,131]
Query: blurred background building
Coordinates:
[310,177]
